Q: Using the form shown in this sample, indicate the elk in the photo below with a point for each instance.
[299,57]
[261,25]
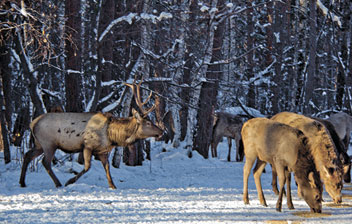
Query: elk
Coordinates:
[340,147]
[343,124]
[227,125]
[342,155]
[93,133]
[322,149]
[287,149]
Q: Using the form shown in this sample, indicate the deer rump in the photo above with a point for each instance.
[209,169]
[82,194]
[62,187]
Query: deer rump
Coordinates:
[93,133]
[286,149]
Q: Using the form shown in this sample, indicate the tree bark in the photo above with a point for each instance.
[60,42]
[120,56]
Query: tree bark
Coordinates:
[105,49]
[73,78]
[251,97]
[208,94]
[4,127]
[309,85]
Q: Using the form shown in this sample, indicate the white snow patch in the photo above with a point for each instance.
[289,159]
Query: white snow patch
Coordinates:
[172,188]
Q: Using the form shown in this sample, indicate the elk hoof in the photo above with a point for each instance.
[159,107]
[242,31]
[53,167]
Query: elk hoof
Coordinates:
[278,209]
[246,201]
[23,185]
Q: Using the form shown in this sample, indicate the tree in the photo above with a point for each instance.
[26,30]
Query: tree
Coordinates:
[73,53]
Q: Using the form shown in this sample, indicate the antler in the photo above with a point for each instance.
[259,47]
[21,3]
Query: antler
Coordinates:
[137,96]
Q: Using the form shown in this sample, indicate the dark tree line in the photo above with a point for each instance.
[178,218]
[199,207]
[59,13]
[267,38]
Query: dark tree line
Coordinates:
[197,56]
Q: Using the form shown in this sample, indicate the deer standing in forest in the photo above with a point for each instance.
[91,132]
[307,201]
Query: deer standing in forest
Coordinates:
[227,125]
[93,133]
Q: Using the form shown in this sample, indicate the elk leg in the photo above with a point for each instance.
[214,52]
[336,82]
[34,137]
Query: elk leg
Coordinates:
[104,160]
[246,171]
[28,157]
[347,175]
[257,172]
[281,174]
[229,141]
[214,146]
[239,149]
[288,186]
[274,180]
[48,157]
[87,154]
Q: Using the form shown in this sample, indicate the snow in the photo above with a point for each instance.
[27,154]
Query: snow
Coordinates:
[172,188]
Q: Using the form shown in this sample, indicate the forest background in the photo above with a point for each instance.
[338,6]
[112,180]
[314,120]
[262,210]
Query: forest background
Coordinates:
[197,56]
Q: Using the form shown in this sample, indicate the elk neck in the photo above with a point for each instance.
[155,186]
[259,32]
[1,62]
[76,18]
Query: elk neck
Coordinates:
[122,131]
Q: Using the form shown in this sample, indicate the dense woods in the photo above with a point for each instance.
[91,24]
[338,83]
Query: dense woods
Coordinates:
[197,56]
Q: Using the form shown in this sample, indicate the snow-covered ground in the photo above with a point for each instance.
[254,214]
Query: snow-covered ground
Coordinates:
[170,189]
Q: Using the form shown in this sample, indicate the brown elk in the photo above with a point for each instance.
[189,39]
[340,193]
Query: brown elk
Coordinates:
[322,149]
[93,133]
[343,124]
[286,149]
[340,147]
[342,155]
[227,125]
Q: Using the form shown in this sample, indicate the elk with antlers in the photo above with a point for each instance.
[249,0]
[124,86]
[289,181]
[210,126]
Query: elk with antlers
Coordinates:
[93,133]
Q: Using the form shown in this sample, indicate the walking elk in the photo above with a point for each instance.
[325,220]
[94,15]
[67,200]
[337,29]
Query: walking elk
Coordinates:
[93,133]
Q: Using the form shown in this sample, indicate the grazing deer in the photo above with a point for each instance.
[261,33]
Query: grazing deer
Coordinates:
[340,147]
[227,125]
[287,149]
[322,148]
[342,155]
[93,133]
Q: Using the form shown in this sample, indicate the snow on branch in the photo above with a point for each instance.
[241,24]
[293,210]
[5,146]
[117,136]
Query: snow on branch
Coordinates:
[135,16]
[326,11]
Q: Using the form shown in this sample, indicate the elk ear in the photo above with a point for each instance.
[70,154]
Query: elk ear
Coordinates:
[311,180]
[137,115]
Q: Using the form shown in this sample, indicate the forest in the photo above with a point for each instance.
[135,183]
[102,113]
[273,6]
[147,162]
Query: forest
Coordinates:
[195,56]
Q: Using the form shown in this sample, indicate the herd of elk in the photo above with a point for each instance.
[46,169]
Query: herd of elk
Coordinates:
[93,133]
[314,149]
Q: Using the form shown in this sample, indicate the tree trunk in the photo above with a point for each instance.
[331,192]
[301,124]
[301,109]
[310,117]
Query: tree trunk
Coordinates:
[309,85]
[4,127]
[250,64]
[208,94]
[73,79]
[105,49]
